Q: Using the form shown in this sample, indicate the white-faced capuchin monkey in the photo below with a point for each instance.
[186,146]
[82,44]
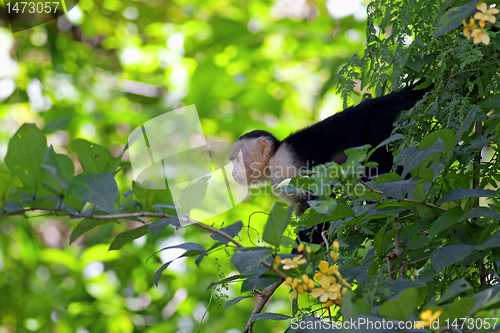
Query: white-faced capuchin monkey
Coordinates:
[258,156]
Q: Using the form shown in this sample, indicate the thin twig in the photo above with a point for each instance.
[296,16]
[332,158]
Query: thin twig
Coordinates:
[264,297]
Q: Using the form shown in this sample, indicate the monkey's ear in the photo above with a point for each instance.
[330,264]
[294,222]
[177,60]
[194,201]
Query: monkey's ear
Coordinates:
[265,146]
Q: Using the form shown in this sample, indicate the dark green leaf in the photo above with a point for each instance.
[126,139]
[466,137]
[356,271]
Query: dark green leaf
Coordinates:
[156,227]
[128,236]
[420,62]
[481,212]
[323,206]
[459,286]
[490,102]
[418,157]
[446,220]
[86,225]
[463,193]
[469,119]
[226,280]
[270,316]
[247,260]
[277,222]
[234,301]
[453,18]
[232,230]
[99,189]
[59,166]
[448,255]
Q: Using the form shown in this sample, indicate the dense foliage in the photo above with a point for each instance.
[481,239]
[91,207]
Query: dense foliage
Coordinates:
[411,246]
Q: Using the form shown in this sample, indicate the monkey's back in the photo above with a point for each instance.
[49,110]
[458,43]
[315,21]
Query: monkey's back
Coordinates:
[369,122]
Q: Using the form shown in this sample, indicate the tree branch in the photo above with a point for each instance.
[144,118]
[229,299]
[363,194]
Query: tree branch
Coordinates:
[144,214]
[264,297]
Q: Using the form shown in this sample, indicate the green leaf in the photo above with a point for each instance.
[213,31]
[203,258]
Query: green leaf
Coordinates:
[85,226]
[232,230]
[390,139]
[25,155]
[418,157]
[234,301]
[277,222]
[127,236]
[245,261]
[459,286]
[481,212]
[469,119]
[155,227]
[150,198]
[94,158]
[226,280]
[193,195]
[493,241]
[490,102]
[403,307]
[59,166]
[453,18]
[382,240]
[99,189]
[448,255]
[397,189]
[8,182]
[419,62]
[463,193]
[270,316]
[323,206]
[446,220]
[448,137]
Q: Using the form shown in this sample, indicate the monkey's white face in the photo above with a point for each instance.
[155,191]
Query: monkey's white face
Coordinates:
[250,158]
[239,169]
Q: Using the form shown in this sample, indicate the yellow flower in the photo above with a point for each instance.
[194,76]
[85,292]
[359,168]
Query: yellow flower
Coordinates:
[333,270]
[323,266]
[480,36]
[293,263]
[288,281]
[336,245]
[305,278]
[329,303]
[469,27]
[310,284]
[277,261]
[335,255]
[318,276]
[486,14]
[426,318]
[300,248]
[308,249]
[327,291]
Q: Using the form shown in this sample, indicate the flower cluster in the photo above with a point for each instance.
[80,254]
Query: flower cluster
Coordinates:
[328,284]
[479,34]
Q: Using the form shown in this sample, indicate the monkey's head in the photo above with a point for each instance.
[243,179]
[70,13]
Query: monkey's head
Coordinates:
[250,155]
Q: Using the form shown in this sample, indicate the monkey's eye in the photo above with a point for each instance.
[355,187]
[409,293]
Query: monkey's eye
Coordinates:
[237,160]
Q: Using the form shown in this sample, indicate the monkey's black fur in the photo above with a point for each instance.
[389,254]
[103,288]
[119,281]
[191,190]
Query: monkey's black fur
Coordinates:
[369,122]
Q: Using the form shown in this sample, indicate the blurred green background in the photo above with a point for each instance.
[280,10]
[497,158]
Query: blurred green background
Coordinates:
[105,68]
